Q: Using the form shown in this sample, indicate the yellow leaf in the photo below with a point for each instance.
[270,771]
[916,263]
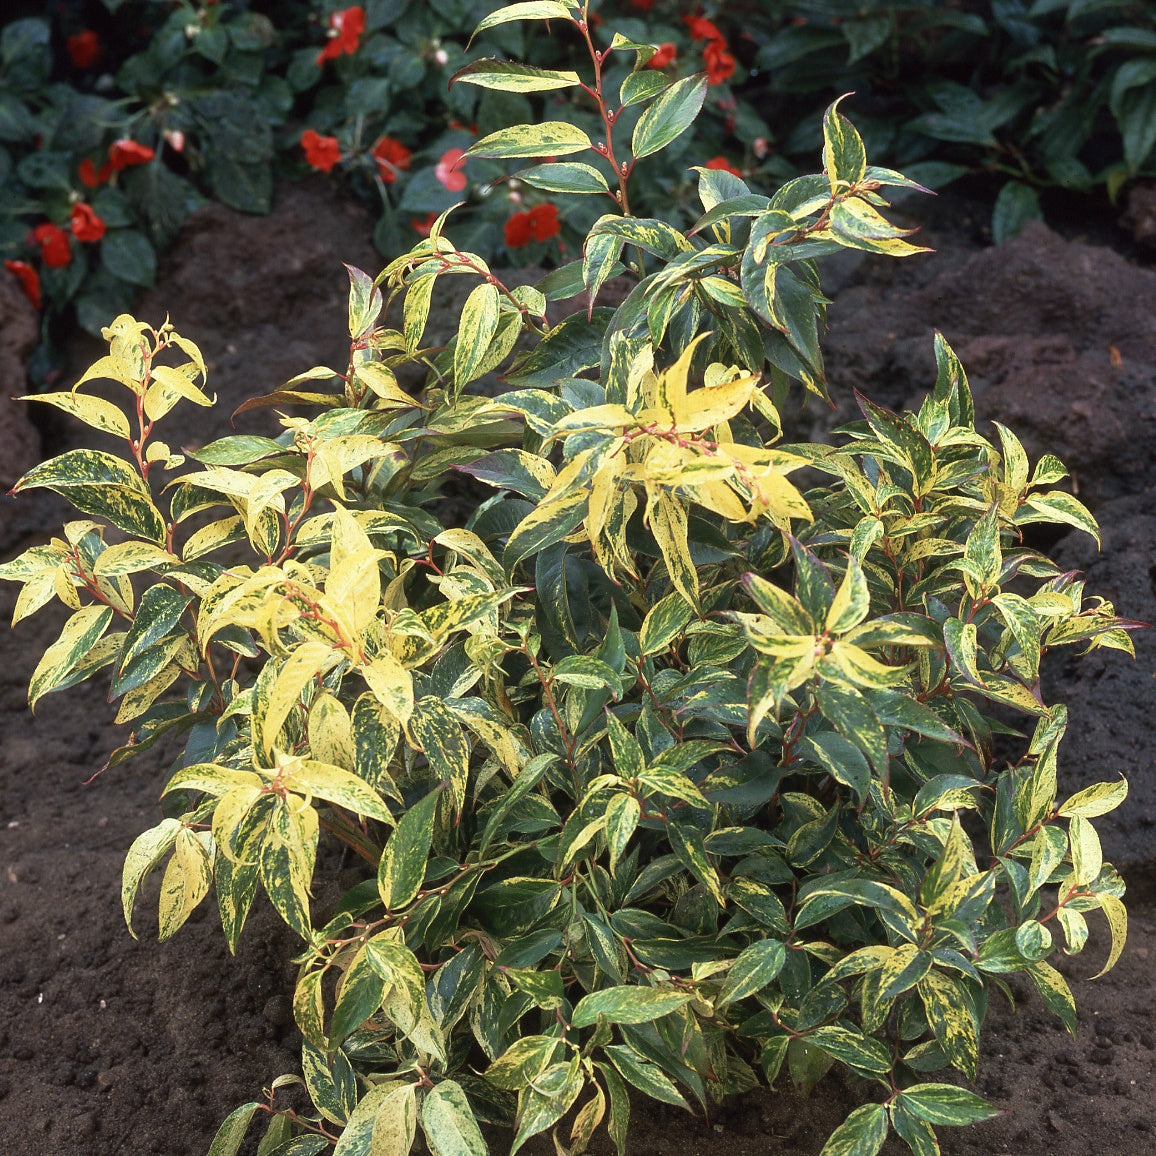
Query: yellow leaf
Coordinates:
[667,519]
[670,388]
[354,581]
[309,659]
[711,405]
[391,684]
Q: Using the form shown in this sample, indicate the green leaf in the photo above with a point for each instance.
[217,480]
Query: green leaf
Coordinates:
[547,1100]
[448,1121]
[916,1133]
[129,255]
[853,1048]
[629,1004]
[476,330]
[77,638]
[288,855]
[1015,205]
[509,76]
[93,411]
[1056,506]
[664,622]
[949,1013]
[528,778]
[362,990]
[547,523]
[436,731]
[669,116]
[1117,916]
[523,1061]
[903,969]
[1054,991]
[755,967]
[861,1134]
[686,841]
[231,1134]
[852,716]
[588,672]
[648,1078]
[146,852]
[844,158]
[840,758]
[946,1104]
[618,1121]
[102,485]
[1098,799]
[331,1083]
[550,138]
[529,10]
[567,177]
[641,85]
[403,862]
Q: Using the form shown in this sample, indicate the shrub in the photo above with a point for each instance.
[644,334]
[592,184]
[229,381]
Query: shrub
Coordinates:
[665,771]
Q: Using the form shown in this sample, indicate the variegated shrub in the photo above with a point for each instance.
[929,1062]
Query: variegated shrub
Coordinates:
[667,768]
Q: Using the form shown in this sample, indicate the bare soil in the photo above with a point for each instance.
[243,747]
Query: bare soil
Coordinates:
[110,1045]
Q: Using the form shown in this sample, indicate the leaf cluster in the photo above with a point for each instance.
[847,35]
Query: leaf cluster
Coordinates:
[1051,94]
[669,771]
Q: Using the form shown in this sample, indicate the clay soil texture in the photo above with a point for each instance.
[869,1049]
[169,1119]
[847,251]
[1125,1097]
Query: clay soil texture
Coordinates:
[110,1045]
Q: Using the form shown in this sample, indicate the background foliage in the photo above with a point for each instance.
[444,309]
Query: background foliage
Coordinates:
[118,118]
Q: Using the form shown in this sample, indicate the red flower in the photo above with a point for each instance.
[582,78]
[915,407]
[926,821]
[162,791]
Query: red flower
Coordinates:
[392,155]
[29,280]
[449,170]
[322,152]
[90,177]
[642,5]
[55,249]
[345,29]
[518,232]
[544,222]
[83,48]
[124,153]
[422,228]
[702,29]
[720,64]
[723,164]
[85,224]
[663,57]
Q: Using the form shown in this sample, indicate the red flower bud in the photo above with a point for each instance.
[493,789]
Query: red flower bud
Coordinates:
[125,153]
[722,164]
[345,29]
[83,48]
[449,170]
[55,248]
[29,280]
[517,231]
[391,155]
[322,152]
[90,176]
[85,224]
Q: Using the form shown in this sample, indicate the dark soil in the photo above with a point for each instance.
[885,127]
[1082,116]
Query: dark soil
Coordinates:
[111,1045]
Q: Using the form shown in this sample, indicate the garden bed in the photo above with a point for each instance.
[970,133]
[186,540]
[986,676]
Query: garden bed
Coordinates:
[108,1045]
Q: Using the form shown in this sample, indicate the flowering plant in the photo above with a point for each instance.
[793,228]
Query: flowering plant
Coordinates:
[665,773]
